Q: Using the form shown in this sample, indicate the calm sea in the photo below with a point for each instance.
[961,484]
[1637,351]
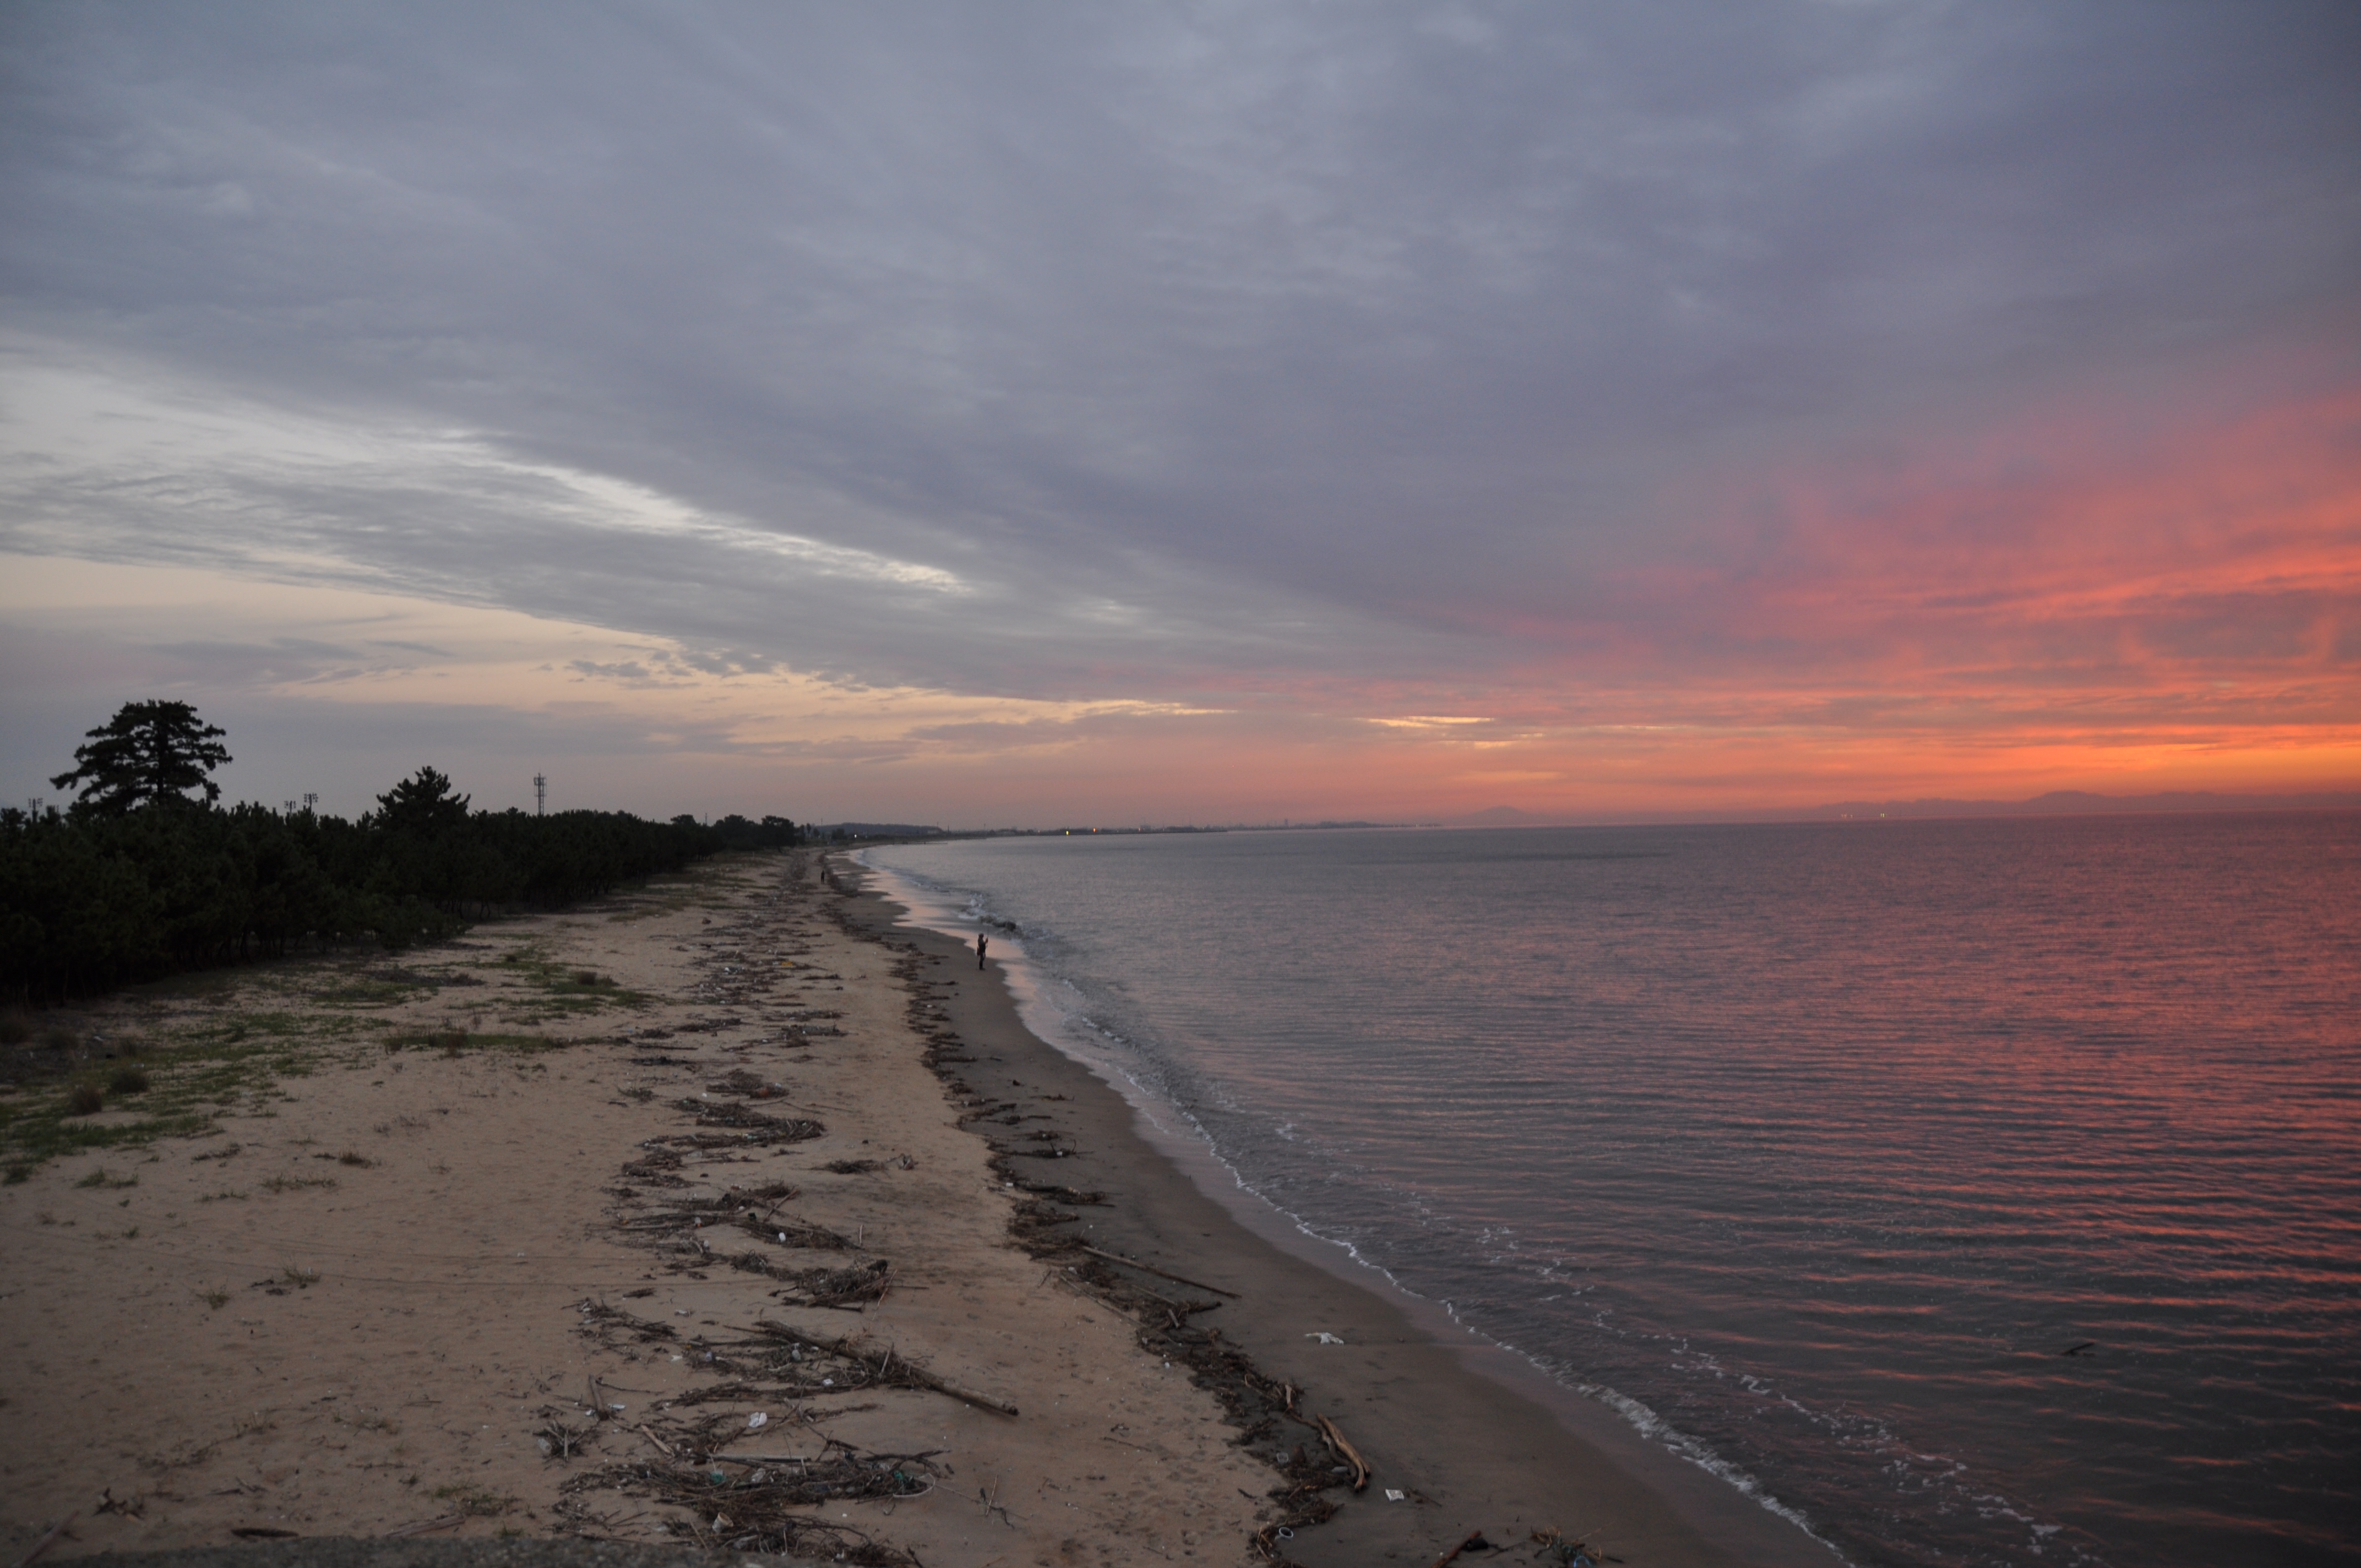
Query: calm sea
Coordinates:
[1811,1148]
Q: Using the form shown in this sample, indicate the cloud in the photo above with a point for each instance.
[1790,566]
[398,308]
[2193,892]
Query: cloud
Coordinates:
[1567,366]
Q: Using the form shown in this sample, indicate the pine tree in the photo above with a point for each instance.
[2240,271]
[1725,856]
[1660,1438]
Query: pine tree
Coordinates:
[422,804]
[150,753]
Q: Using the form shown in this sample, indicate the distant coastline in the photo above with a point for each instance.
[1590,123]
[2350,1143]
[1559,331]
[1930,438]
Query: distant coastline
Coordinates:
[2056,803]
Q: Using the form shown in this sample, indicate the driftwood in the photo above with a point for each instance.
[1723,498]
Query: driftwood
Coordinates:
[792,1234]
[1475,1542]
[425,1527]
[1063,1194]
[1334,1435]
[912,1376]
[765,1512]
[48,1541]
[1159,1273]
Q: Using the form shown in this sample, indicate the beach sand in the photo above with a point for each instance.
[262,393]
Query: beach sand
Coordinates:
[449,1203]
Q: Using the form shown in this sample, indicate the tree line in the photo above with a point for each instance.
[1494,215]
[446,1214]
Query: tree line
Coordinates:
[139,879]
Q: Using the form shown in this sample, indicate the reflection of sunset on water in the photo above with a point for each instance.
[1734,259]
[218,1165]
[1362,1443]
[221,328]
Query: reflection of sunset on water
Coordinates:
[1822,1142]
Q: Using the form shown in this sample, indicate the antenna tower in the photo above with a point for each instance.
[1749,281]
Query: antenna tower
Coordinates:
[540,794]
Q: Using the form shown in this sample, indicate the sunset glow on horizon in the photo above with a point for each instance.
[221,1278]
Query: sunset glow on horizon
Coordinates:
[1215,418]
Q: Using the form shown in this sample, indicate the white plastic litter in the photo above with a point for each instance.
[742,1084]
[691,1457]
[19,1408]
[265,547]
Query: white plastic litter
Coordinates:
[757,1421]
[1325,1338]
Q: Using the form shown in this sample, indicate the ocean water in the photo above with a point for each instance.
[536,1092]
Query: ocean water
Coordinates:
[1811,1148]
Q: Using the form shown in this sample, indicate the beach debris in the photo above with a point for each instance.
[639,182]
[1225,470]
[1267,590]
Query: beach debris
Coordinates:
[1324,1337]
[757,1512]
[757,1421]
[1159,1273]
[558,1441]
[1474,1542]
[1555,1547]
[2088,1344]
[1393,1496]
[1062,1194]
[49,1538]
[793,1234]
[747,1086]
[426,1526]
[886,1372]
[1338,1445]
[844,1289]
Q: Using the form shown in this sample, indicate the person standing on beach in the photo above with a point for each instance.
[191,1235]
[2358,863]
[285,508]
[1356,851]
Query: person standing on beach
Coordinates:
[981,941]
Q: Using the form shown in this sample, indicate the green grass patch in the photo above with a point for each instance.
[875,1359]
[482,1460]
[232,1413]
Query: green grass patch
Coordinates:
[201,1071]
[563,990]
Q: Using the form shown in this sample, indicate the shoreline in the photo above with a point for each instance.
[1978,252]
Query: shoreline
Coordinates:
[731,1212]
[1475,1434]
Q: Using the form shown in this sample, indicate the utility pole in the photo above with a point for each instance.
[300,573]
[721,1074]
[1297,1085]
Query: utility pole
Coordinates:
[540,794]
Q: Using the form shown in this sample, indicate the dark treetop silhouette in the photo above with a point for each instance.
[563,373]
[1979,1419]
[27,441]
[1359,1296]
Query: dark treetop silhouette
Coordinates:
[148,755]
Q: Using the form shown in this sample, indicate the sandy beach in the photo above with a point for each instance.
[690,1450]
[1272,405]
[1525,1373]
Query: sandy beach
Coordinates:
[729,1214]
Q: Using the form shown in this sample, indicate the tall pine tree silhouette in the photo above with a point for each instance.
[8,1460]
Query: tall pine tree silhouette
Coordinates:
[150,753]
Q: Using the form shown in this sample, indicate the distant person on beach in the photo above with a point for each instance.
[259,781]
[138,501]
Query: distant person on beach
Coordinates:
[981,942]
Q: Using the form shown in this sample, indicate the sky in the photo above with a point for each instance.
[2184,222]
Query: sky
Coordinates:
[1030,413]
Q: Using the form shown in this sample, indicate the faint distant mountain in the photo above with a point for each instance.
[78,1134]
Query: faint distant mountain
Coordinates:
[2076,802]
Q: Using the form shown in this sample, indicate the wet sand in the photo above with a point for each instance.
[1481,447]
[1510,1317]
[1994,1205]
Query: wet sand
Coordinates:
[467,1203]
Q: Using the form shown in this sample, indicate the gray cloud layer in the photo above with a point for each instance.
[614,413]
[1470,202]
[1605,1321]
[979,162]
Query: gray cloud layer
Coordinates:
[1193,342]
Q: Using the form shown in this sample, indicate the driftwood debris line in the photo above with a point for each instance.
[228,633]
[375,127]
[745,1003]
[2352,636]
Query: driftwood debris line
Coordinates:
[837,1290]
[1063,1194]
[793,1234]
[1252,1401]
[1159,1273]
[766,1512]
[858,1354]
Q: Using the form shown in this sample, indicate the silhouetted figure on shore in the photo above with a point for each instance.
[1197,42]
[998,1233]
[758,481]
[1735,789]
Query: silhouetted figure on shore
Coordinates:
[981,942]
